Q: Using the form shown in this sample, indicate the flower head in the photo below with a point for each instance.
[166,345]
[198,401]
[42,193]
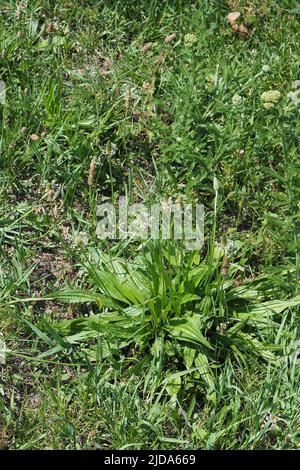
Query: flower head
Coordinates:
[268,105]
[91,172]
[236,100]
[216,184]
[271,96]
[170,38]
[190,39]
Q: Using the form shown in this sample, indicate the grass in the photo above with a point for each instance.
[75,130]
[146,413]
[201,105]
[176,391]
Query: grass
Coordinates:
[133,345]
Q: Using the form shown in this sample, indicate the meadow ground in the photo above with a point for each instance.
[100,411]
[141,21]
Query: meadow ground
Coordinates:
[141,344]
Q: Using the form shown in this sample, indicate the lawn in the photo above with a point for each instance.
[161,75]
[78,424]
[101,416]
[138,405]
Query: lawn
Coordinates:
[141,343]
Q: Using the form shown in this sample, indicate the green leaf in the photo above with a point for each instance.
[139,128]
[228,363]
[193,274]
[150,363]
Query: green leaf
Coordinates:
[189,330]
[206,374]
[173,386]
[189,298]
[79,296]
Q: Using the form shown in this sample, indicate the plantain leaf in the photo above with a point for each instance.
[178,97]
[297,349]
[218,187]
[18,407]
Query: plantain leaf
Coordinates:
[80,296]
[189,330]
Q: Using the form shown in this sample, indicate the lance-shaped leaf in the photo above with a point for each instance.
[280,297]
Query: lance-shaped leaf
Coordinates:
[189,330]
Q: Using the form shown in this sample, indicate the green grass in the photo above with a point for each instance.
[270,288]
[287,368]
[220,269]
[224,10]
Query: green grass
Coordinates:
[132,345]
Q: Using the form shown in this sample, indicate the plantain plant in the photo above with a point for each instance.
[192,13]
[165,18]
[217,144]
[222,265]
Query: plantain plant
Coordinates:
[172,316]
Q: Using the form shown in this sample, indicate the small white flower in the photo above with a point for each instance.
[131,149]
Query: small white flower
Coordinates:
[265,68]
[236,100]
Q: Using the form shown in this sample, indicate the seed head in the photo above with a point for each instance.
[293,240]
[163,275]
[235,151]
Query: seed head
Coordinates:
[170,38]
[92,172]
